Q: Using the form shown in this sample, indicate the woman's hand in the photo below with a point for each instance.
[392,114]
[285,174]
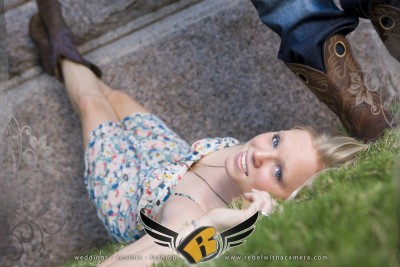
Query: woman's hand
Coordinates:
[260,201]
[224,218]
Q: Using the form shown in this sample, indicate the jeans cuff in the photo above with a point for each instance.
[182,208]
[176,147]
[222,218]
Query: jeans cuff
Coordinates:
[303,26]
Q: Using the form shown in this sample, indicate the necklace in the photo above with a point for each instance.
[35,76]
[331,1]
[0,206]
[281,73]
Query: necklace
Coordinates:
[208,165]
[204,180]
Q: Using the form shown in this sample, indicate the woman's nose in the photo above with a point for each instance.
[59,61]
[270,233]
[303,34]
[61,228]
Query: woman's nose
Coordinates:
[261,156]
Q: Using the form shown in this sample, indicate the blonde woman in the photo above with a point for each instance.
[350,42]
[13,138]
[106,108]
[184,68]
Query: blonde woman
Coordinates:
[134,162]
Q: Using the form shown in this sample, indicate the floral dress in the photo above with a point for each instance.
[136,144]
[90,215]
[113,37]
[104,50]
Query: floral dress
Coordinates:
[135,165]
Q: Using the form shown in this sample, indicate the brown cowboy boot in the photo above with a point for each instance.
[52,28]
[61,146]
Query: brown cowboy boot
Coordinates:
[38,34]
[343,90]
[386,20]
[384,16]
[58,42]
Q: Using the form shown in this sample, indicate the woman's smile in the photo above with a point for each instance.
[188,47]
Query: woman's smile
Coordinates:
[244,163]
[241,162]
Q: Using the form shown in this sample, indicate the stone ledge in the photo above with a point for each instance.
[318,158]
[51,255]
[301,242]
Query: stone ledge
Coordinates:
[106,39]
[88,20]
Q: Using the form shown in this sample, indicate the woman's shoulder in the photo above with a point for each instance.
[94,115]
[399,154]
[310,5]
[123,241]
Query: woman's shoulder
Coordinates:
[207,145]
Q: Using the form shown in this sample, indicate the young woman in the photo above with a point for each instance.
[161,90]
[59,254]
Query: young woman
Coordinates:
[134,162]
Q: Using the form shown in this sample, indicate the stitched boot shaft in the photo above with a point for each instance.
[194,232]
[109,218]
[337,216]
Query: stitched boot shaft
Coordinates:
[50,12]
[343,90]
[38,34]
[59,39]
[384,16]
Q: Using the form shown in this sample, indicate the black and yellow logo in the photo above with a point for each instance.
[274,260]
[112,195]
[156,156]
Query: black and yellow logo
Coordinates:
[204,243]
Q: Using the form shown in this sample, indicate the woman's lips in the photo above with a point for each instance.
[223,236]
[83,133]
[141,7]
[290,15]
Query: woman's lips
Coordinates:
[241,162]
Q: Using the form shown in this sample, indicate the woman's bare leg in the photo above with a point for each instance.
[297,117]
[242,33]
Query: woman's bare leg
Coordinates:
[84,92]
[93,100]
[122,104]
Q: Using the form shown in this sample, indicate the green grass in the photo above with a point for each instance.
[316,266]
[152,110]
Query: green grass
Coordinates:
[348,215]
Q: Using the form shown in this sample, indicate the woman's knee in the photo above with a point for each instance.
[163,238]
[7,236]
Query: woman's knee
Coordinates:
[123,104]
[118,96]
[92,102]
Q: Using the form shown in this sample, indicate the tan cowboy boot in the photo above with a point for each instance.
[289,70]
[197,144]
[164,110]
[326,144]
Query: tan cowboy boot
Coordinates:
[343,90]
[55,40]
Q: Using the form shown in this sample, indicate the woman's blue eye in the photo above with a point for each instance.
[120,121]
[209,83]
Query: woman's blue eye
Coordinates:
[278,172]
[275,140]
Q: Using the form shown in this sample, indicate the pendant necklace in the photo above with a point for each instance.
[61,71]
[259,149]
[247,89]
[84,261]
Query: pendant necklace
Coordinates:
[205,181]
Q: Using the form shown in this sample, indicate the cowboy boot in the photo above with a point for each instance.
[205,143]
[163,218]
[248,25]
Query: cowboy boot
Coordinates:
[384,16]
[38,35]
[58,37]
[343,90]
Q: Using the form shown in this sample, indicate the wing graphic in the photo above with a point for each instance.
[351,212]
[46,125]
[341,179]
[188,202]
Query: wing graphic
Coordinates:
[165,237]
[235,236]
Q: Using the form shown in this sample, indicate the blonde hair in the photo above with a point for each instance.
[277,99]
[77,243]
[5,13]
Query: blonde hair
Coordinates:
[334,150]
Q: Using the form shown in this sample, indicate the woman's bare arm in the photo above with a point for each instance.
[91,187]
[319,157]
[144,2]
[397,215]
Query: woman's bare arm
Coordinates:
[220,218]
[176,216]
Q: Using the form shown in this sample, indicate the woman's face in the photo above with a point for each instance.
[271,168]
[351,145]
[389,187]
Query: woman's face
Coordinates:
[277,163]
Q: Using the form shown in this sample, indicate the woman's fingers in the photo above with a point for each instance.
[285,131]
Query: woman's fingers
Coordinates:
[261,201]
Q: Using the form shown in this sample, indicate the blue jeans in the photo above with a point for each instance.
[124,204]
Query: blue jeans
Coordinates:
[360,8]
[303,26]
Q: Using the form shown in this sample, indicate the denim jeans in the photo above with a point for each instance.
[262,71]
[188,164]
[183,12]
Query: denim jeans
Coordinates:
[303,26]
[360,7]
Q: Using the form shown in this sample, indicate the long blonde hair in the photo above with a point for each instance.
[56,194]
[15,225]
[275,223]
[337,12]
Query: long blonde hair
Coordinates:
[334,150]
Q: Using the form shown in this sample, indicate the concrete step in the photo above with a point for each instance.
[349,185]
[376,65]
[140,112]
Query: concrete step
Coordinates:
[207,68]
[88,19]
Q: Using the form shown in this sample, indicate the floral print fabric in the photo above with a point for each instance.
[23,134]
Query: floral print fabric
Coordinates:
[135,165]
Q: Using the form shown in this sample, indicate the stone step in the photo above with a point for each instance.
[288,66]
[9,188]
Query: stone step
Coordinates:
[89,20]
[11,4]
[207,68]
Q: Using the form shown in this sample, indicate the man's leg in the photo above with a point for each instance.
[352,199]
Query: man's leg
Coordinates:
[364,8]
[314,47]
[384,16]
[303,26]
